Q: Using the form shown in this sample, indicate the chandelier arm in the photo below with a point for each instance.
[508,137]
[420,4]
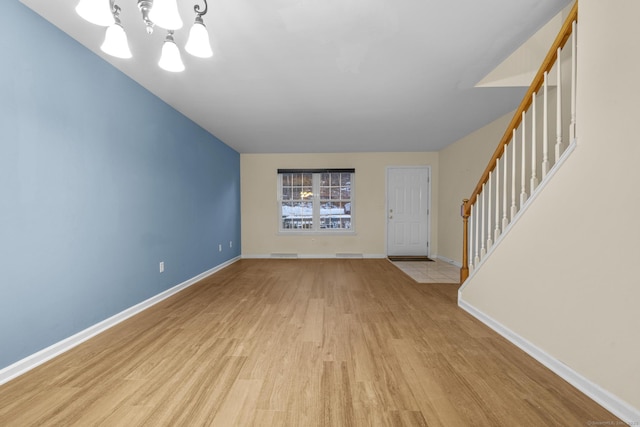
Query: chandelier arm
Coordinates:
[196,8]
[115,9]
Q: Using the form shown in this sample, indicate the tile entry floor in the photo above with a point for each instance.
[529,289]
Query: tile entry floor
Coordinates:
[437,271]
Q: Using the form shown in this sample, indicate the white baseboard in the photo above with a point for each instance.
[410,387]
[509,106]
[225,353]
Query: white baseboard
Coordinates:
[22,366]
[607,400]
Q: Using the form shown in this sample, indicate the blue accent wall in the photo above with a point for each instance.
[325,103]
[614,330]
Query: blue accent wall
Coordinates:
[100,180]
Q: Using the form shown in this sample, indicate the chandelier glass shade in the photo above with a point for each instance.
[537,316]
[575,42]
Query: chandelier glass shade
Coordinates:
[171,59]
[160,13]
[115,39]
[96,12]
[116,43]
[198,43]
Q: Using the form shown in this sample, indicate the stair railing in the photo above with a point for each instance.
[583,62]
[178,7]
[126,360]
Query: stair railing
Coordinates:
[523,151]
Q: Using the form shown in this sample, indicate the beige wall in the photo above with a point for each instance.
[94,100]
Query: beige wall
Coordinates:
[565,278]
[259,206]
[461,165]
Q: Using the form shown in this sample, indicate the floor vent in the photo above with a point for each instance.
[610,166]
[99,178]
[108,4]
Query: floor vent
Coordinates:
[348,255]
[283,255]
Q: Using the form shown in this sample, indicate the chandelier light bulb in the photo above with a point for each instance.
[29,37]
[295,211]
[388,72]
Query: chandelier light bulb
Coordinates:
[198,43]
[164,13]
[97,12]
[115,42]
[170,59]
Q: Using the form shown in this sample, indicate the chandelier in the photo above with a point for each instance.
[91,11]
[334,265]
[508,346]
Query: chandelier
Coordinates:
[161,13]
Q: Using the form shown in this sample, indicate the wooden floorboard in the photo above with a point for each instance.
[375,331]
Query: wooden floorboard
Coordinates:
[340,342]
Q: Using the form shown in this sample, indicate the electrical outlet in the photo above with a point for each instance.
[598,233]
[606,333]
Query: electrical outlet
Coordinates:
[220,247]
[161,266]
[230,243]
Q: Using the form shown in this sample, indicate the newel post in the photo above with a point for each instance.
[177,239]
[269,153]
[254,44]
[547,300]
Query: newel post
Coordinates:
[464,271]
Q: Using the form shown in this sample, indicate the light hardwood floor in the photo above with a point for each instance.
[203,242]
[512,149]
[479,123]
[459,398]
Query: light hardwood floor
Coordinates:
[298,343]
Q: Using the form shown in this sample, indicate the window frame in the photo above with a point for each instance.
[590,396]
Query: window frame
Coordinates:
[315,200]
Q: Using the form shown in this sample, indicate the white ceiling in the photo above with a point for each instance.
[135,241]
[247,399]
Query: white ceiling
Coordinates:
[304,76]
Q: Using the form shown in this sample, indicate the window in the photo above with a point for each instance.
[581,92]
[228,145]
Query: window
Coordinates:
[315,200]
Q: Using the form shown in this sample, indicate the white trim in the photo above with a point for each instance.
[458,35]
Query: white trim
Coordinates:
[563,158]
[607,400]
[449,261]
[24,365]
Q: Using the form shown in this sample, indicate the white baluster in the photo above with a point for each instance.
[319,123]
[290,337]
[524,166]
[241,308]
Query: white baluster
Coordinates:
[477,258]
[505,220]
[574,70]
[523,172]
[559,109]
[489,217]
[483,209]
[514,208]
[534,166]
[496,232]
[545,129]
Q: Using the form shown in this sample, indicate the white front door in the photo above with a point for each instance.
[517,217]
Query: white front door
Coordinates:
[408,210]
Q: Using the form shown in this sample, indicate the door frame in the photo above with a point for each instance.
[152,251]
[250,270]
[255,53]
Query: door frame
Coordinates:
[386,203]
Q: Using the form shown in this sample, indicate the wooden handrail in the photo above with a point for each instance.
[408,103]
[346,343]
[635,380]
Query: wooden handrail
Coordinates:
[536,84]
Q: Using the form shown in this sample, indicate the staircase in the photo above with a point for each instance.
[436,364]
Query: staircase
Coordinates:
[540,136]
[559,280]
